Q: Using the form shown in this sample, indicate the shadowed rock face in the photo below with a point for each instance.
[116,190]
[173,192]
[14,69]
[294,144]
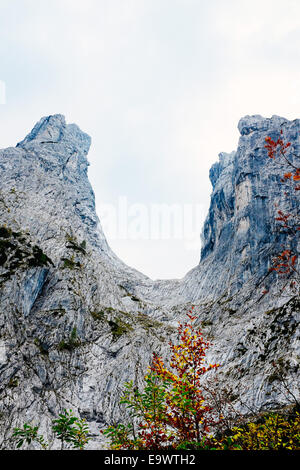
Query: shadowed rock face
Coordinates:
[240,233]
[76,322]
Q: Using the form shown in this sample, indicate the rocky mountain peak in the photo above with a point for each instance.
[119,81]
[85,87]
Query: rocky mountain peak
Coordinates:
[54,130]
[248,124]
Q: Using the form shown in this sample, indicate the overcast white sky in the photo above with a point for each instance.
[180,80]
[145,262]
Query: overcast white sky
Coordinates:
[159,85]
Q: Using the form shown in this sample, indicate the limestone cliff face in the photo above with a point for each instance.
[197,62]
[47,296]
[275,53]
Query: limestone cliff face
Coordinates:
[71,332]
[240,234]
[240,231]
[76,322]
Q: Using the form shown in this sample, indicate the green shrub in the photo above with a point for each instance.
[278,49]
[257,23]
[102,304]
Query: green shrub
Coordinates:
[272,432]
[72,342]
[67,428]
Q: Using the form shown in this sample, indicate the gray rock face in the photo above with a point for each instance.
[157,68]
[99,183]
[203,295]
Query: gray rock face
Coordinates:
[240,233]
[76,322]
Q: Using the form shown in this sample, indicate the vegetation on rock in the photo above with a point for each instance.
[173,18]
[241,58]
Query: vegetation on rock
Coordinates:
[69,429]
[172,411]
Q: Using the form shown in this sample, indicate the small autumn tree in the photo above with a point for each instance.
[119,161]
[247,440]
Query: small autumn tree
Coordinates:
[285,263]
[171,409]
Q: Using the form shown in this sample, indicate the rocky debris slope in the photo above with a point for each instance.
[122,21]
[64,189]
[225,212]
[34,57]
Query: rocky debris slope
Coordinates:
[76,322]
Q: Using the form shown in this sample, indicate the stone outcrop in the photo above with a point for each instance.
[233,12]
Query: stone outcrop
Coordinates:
[76,322]
[240,233]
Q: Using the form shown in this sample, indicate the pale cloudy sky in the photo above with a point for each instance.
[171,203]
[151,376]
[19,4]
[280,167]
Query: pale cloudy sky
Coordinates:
[159,85]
